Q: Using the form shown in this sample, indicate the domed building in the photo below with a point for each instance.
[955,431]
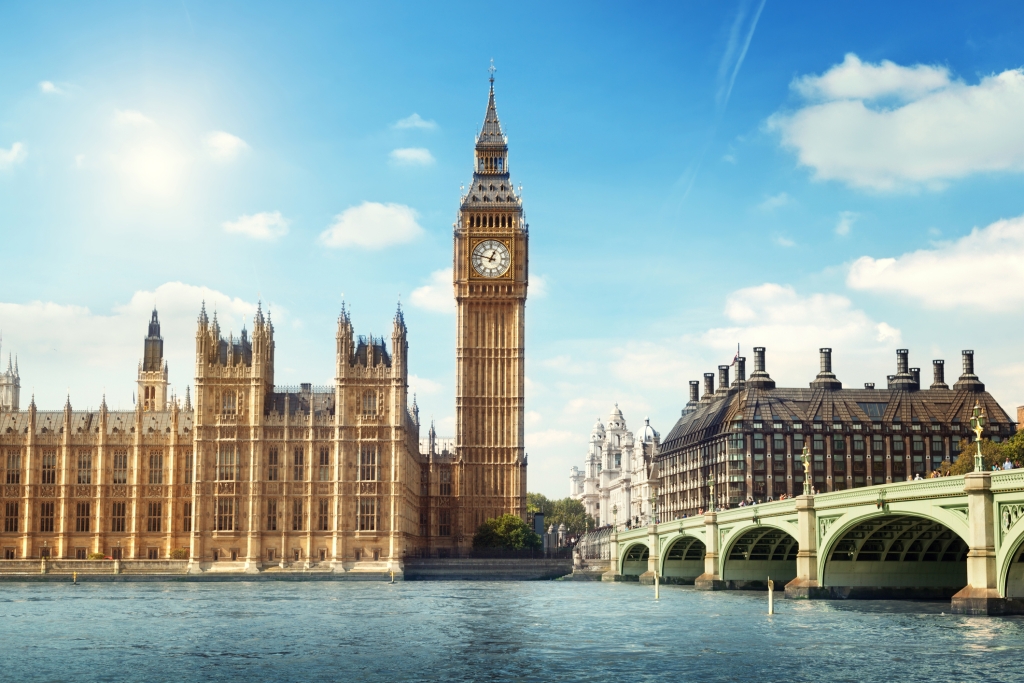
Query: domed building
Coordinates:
[615,483]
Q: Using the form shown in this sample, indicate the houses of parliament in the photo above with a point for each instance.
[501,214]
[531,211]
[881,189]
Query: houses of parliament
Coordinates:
[243,474]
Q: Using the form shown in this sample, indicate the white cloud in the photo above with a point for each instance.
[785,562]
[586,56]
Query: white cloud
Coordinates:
[50,88]
[538,286]
[132,117]
[223,146]
[66,346]
[15,155]
[268,225]
[784,241]
[855,80]
[79,160]
[846,220]
[554,437]
[372,225]
[421,386]
[791,326]
[949,275]
[775,202]
[415,121]
[438,295]
[937,130]
[412,156]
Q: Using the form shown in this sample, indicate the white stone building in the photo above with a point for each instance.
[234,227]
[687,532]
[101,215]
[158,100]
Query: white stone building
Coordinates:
[619,472]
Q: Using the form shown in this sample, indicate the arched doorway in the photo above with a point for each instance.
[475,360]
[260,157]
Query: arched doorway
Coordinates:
[896,556]
[634,562]
[1015,574]
[684,560]
[758,554]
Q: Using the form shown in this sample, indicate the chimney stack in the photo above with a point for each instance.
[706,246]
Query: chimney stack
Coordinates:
[969,380]
[709,387]
[759,379]
[916,374]
[741,371]
[939,375]
[826,379]
[723,379]
[869,385]
[694,391]
[903,379]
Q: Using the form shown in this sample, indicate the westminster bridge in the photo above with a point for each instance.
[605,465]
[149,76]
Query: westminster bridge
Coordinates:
[952,537]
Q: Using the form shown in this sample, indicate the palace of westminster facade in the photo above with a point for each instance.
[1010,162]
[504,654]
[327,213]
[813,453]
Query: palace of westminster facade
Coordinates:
[243,474]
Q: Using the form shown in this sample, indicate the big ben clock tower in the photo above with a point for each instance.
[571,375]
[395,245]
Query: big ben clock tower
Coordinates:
[490,274]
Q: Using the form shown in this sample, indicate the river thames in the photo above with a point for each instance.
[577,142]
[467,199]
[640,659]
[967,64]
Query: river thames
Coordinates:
[483,631]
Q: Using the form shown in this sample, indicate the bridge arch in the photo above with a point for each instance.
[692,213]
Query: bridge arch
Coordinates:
[634,559]
[682,561]
[1010,558]
[755,552]
[894,554]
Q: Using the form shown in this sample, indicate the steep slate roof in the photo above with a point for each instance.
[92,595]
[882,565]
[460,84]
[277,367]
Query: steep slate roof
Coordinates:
[787,405]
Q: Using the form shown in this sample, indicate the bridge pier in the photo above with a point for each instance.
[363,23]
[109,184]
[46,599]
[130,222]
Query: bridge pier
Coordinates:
[711,579]
[805,586]
[981,595]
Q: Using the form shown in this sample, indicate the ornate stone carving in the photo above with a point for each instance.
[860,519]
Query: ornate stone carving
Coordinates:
[83,491]
[323,488]
[48,491]
[272,488]
[154,491]
[824,524]
[1009,514]
[225,488]
[119,491]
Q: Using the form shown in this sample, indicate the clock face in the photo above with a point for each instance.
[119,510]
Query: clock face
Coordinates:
[491,258]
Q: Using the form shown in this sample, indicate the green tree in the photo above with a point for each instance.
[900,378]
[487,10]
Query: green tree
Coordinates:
[538,502]
[507,531]
[991,453]
[570,512]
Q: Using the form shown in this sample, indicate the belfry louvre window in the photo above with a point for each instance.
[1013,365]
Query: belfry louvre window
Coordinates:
[153,518]
[297,517]
[11,509]
[187,455]
[84,467]
[272,464]
[323,519]
[325,463]
[186,517]
[445,487]
[226,514]
[368,463]
[298,465]
[82,516]
[49,467]
[227,467]
[368,514]
[369,402]
[271,515]
[156,467]
[45,517]
[120,467]
[13,467]
[117,516]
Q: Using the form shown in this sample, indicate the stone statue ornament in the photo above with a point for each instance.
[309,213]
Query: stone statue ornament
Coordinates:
[978,426]
[711,492]
[805,458]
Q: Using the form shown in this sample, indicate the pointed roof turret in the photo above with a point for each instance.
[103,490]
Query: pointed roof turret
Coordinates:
[203,320]
[67,404]
[188,398]
[259,313]
[491,134]
[399,316]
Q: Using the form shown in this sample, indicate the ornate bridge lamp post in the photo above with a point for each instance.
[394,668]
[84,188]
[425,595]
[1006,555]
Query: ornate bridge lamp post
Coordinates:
[615,517]
[978,426]
[711,493]
[805,459]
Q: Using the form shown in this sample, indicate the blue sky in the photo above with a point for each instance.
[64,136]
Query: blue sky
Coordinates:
[695,175]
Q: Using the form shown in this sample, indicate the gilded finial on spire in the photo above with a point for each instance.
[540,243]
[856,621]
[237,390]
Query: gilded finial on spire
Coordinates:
[491,69]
